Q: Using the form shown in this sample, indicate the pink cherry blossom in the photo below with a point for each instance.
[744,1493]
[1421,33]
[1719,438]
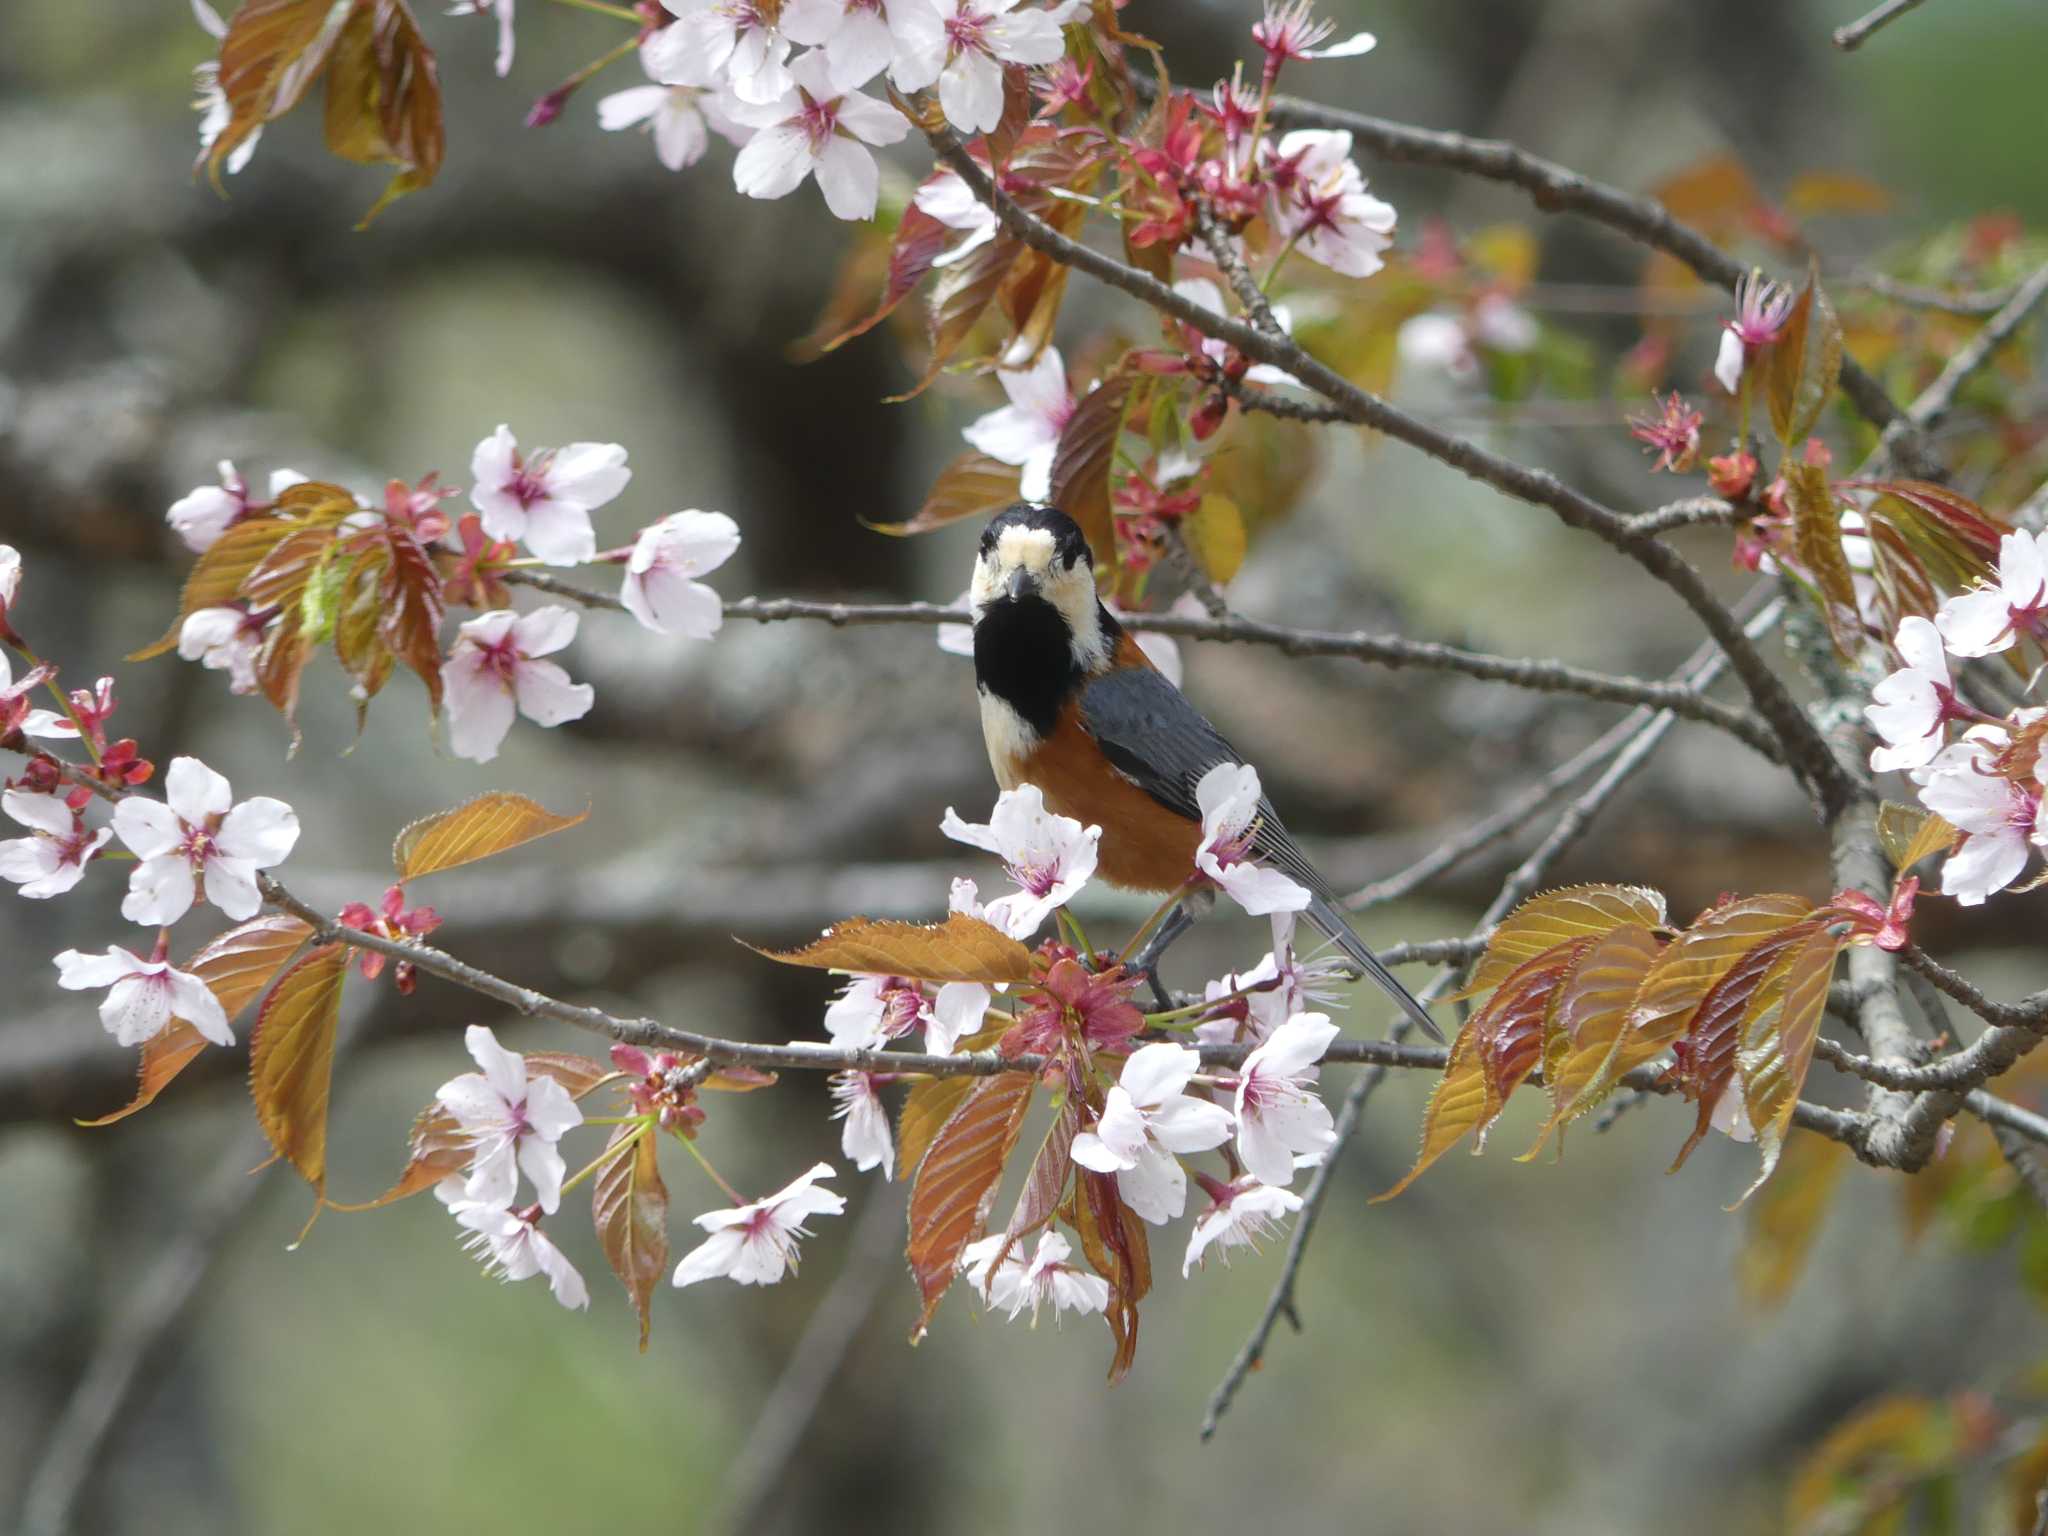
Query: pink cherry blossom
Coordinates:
[963,46]
[201,516]
[545,497]
[144,995]
[16,713]
[1147,1120]
[511,1244]
[52,859]
[661,590]
[859,38]
[513,1119]
[1671,431]
[1050,857]
[1278,1113]
[873,1010]
[753,1244]
[2001,817]
[816,130]
[739,42]
[673,114]
[1232,805]
[865,1138]
[1026,432]
[1319,202]
[1015,1284]
[946,196]
[1909,707]
[495,669]
[225,640]
[1288,33]
[1278,987]
[1245,1214]
[200,836]
[1761,309]
[1991,618]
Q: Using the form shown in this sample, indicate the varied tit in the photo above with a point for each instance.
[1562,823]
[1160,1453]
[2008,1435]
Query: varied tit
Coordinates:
[1069,703]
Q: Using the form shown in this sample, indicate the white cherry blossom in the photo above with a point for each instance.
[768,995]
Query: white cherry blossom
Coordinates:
[495,668]
[865,1138]
[143,995]
[52,858]
[1231,804]
[1147,1119]
[946,196]
[859,38]
[963,46]
[1908,708]
[200,837]
[17,714]
[513,1119]
[1016,1284]
[225,640]
[1319,202]
[736,41]
[661,589]
[512,1246]
[754,1244]
[1278,1112]
[1992,617]
[1049,856]
[1244,1215]
[1026,432]
[814,129]
[201,516]
[545,497]
[2000,816]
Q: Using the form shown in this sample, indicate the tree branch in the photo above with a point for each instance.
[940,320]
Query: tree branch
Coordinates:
[1934,401]
[1859,31]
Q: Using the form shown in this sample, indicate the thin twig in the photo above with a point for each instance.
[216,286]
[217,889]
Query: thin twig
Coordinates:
[1858,32]
[1920,296]
[1934,401]
[1688,513]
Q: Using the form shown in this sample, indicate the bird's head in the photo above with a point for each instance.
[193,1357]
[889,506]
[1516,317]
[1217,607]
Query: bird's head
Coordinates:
[1034,568]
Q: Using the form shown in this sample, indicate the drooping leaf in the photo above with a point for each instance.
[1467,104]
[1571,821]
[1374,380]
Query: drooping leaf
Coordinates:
[1117,1247]
[1082,463]
[475,829]
[291,1060]
[239,964]
[1698,958]
[629,1206]
[919,240]
[1817,541]
[1910,833]
[273,50]
[958,297]
[928,1107]
[578,1074]
[1778,1033]
[164,1055]
[962,948]
[1976,529]
[1591,1020]
[1045,1187]
[1785,1222]
[222,573]
[1543,921]
[384,98]
[1216,536]
[956,1182]
[412,610]
[973,485]
[436,1147]
[1802,365]
[1002,139]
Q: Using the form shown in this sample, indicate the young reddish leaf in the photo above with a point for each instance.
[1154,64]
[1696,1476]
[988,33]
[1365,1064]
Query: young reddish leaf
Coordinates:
[738,1080]
[1542,922]
[475,829]
[1082,462]
[164,1055]
[1816,192]
[956,1182]
[578,1074]
[1458,1105]
[962,948]
[291,1060]
[1002,139]
[289,566]
[1117,1247]
[279,662]
[1890,1441]
[1045,1187]
[1802,365]
[1974,528]
[1910,834]
[1785,1222]
[273,50]
[240,963]
[973,485]
[1706,1062]
[926,1110]
[956,300]
[223,570]
[1817,541]
[437,1146]
[1591,1019]
[1778,1032]
[629,1205]
[1698,958]
[384,98]
[413,609]
[1032,289]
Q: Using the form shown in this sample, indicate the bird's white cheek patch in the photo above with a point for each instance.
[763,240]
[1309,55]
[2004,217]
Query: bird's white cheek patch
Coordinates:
[1010,739]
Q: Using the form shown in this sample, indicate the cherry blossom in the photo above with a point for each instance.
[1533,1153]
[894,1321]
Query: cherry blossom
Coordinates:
[144,995]
[1991,618]
[391,920]
[1245,1213]
[212,103]
[201,516]
[1909,707]
[1205,293]
[1672,432]
[676,115]
[1049,856]
[10,578]
[963,46]
[737,41]
[546,497]
[1026,432]
[1232,804]
[1437,342]
[873,1010]
[225,640]
[1074,1002]
[1320,202]
[503,10]
[495,668]
[52,858]
[1761,309]
[513,1119]
[946,196]
[1278,1114]
[511,1244]
[859,38]
[1288,33]
[1963,787]
[661,590]
[1281,985]
[200,836]
[753,1244]
[814,129]
[1048,1277]
[16,714]
[1147,1119]
[865,1138]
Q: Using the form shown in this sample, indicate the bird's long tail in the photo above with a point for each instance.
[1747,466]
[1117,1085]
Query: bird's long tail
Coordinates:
[1325,916]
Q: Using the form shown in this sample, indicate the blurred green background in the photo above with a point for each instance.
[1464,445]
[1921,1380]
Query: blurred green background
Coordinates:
[1533,1348]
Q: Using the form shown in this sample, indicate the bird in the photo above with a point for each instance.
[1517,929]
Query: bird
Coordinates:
[1070,704]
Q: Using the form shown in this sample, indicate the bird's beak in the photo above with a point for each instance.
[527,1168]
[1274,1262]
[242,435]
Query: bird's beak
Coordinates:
[1021,583]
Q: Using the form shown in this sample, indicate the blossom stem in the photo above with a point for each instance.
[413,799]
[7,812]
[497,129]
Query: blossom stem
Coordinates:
[716,1177]
[603,61]
[1137,940]
[599,8]
[63,701]
[1072,926]
[1287,250]
[610,1154]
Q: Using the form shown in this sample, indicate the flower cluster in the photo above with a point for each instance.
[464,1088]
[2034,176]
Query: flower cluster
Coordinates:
[1987,781]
